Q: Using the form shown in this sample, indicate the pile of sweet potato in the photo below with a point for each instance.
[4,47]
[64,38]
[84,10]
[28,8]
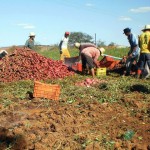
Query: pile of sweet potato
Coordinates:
[26,64]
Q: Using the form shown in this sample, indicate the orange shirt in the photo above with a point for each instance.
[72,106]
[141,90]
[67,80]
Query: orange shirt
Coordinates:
[92,52]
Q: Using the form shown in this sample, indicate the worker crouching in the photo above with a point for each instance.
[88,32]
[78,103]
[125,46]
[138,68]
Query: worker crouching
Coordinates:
[89,56]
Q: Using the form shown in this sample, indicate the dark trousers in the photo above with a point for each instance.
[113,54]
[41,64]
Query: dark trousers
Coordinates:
[87,60]
[144,58]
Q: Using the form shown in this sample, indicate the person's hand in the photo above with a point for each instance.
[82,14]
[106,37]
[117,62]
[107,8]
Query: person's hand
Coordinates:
[130,56]
[60,52]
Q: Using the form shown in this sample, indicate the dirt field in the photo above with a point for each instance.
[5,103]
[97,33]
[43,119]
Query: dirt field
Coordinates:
[83,124]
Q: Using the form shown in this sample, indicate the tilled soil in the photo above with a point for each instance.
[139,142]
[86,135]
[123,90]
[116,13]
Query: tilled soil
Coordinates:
[41,124]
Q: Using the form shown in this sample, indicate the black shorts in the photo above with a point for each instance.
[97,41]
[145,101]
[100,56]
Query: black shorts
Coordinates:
[87,60]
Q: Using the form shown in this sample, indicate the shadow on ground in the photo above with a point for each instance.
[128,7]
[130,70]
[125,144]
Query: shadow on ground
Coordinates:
[140,88]
[10,141]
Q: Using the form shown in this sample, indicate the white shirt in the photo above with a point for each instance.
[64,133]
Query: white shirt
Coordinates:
[64,43]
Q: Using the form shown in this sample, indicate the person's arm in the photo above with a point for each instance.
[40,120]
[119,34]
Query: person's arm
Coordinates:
[60,46]
[96,64]
[26,44]
[139,43]
[95,59]
[135,49]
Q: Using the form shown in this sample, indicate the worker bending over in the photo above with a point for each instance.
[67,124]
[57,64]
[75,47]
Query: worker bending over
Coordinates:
[90,57]
[81,46]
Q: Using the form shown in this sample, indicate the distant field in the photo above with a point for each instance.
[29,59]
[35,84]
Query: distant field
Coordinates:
[54,52]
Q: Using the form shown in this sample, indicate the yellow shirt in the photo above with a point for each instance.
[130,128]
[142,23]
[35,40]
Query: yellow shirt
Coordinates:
[144,42]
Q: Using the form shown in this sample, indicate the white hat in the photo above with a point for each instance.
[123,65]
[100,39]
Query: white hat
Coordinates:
[32,34]
[102,50]
[77,45]
[3,51]
[146,27]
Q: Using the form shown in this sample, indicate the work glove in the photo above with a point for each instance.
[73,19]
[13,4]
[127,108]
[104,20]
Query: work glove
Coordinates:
[60,52]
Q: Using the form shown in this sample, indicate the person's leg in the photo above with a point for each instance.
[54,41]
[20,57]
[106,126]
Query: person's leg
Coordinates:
[136,63]
[92,72]
[148,60]
[66,53]
[141,64]
[90,64]
[146,71]
[128,65]
[62,57]
[83,59]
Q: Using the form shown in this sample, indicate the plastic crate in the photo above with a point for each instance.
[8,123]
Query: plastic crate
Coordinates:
[101,72]
[77,66]
[42,90]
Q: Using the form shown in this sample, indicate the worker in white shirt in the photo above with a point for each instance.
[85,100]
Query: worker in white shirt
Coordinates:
[63,46]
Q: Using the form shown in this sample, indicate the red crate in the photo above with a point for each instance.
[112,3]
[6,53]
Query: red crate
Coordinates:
[77,66]
[42,90]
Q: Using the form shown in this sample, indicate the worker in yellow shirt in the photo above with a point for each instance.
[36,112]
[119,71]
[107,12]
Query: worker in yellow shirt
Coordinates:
[63,46]
[144,44]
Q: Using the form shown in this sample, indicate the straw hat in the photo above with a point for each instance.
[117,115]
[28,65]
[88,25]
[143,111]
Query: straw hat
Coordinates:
[102,50]
[3,51]
[32,34]
[77,45]
[147,27]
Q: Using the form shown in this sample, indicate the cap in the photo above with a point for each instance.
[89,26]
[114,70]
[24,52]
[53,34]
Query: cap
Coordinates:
[67,33]
[126,30]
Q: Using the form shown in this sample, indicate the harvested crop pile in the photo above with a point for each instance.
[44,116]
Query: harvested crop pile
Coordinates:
[26,64]
[89,82]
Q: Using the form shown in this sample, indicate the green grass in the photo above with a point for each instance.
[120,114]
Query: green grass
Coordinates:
[118,52]
[53,52]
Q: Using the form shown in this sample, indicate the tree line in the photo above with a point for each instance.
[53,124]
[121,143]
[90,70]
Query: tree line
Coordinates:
[81,37]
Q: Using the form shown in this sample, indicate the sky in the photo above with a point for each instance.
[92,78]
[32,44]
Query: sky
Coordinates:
[49,19]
